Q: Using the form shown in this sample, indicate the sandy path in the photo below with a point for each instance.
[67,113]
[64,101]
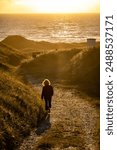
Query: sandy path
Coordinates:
[74,116]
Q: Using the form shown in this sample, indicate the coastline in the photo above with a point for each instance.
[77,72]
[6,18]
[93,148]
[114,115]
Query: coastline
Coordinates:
[22,43]
[52,27]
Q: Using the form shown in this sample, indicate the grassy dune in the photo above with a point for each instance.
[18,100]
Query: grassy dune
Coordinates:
[50,65]
[26,45]
[9,57]
[19,111]
[77,67]
[20,105]
[85,70]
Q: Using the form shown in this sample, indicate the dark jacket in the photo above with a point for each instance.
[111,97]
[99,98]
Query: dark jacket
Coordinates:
[47,92]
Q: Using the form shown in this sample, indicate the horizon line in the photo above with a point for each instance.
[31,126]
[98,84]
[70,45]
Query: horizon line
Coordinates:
[50,13]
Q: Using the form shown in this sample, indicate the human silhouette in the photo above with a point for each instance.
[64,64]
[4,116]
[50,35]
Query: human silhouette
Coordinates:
[47,93]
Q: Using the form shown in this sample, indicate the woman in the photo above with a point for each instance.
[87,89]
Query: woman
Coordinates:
[47,93]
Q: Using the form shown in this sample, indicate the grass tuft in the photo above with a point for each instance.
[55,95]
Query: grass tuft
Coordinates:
[20,111]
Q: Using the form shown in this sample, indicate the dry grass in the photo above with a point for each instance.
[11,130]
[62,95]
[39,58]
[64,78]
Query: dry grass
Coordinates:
[19,111]
[9,57]
[85,68]
[56,138]
[26,45]
[75,67]
[49,65]
[20,107]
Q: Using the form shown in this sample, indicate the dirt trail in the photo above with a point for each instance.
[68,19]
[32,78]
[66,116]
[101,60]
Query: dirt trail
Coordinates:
[73,123]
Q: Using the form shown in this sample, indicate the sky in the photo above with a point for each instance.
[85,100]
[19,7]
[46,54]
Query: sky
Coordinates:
[49,6]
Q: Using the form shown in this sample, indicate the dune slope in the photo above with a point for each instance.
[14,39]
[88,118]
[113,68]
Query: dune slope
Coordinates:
[9,57]
[20,106]
[85,70]
[76,67]
[24,44]
[19,111]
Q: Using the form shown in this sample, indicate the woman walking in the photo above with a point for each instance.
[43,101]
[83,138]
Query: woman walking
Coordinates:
[47,93]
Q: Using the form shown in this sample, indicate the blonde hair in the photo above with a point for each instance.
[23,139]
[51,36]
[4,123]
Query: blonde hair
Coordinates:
[46,82]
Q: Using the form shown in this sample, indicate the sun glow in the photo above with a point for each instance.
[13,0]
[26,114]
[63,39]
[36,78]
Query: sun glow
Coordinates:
[55,6]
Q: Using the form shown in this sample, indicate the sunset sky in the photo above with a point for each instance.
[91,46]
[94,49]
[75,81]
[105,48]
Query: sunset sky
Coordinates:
[49,6]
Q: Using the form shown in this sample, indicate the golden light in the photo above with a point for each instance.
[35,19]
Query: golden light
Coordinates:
[59,6]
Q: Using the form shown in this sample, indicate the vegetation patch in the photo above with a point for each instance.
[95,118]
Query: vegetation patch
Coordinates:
[74,67]
[55,137]
[20,111]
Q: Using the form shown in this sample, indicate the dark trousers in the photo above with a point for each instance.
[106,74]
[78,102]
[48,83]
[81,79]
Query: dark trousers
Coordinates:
[47,103]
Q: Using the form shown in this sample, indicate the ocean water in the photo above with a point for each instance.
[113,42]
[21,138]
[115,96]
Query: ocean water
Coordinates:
[52,28]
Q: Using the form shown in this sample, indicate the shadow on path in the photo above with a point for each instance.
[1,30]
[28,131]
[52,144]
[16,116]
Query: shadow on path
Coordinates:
[45,125]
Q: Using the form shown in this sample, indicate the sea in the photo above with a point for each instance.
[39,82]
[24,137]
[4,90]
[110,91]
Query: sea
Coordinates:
[51,27]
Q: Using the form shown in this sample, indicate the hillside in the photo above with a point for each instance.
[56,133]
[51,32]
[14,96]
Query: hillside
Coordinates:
[85,70]
[27,45]
[19,111]
[9,57]
[77,67]
[50,65]
[20,106]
